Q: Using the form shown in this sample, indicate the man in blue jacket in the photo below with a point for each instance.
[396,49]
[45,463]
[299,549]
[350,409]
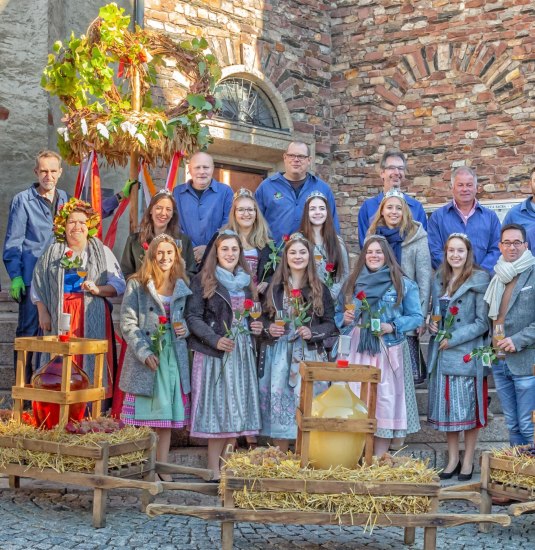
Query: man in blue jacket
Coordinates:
[523,213]
[29,232]
[281,197]
[393,168]
[464,214]
[203,203]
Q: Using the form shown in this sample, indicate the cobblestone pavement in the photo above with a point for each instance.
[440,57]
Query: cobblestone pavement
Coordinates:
[43,516]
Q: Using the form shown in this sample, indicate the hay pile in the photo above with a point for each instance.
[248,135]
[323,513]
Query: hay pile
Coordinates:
[272,463]
[520,457]
[67,463]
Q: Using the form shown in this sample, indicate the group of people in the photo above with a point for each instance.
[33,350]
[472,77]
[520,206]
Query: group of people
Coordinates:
[228,292]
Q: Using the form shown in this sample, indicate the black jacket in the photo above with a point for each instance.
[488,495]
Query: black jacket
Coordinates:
[206,318]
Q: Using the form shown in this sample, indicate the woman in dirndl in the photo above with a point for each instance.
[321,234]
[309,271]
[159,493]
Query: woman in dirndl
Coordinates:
[377,307]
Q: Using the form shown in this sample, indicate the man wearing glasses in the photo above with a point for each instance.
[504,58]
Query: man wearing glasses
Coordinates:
[511,295]
[464,214]
[393,167]
[281,197]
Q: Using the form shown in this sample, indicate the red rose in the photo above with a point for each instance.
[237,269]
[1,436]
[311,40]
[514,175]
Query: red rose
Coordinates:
[68,253]
[162,319]
[454,310]
[467,358]
[296,293]
[145,246]
[286,238]
[361,295]
[248,303]
[329,268]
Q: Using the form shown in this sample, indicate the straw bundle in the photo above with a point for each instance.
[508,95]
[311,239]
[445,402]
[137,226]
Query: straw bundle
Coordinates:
[278,465]
[519,458]
[62,462]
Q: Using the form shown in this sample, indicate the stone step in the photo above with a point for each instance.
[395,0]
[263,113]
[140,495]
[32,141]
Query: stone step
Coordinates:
[494,432]
[422,399]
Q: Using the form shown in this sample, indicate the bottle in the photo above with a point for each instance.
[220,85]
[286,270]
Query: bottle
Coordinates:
[330,449]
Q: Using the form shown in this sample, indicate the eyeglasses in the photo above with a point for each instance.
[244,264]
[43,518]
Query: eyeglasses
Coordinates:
[245,210]
[300,158]
[508,244]
[398,168]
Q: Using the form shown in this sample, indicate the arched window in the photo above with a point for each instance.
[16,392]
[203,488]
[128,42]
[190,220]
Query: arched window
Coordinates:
[245,103]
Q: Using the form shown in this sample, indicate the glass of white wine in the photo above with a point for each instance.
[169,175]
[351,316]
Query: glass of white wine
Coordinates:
[256,310]
[280,317]
[436,316]
[498,334]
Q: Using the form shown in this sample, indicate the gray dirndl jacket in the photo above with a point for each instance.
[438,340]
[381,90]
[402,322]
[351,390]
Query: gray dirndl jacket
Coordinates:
[471,330]
[139,319]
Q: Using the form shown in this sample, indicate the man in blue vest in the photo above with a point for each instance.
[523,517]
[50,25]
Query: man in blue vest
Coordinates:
[203,203]
[281,197]
[393,168]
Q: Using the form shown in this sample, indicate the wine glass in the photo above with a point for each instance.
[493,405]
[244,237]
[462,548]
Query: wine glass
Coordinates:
[436,316]
[498,334]
[280,317]
[179,245]
[350,306]
[256,310]
[81,271]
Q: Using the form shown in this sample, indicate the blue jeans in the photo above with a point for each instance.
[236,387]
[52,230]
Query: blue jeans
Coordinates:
[28,325]
[517,396]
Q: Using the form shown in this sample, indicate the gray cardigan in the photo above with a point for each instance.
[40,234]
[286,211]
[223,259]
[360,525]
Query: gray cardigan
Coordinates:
[139,319]
[416,265]
[520,324]
[470,329]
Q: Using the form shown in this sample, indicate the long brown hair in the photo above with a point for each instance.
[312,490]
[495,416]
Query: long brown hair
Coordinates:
[390,260]
[146,227]
[208,278]
[150,270]
[445,270]
[407,226]
[311,279]
[331,243]
[259,235]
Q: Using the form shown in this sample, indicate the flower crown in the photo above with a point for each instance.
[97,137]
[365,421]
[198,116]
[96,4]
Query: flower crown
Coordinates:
[297,237]
[318,195]
[243,192]
[394,192]
[65,210]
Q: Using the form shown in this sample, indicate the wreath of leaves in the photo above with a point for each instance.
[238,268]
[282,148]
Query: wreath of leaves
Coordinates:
[97,99]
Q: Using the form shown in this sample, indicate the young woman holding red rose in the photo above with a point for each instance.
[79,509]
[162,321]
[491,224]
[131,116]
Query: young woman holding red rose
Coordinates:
[458,388]
[296,294]
[224,379]
[155,375]
[330,254]
[161,216]
[378,290]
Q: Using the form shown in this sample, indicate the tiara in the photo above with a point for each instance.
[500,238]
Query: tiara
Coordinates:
[317,194]
[394,192]
[162,236]
[163,191]
[243,192]
[459,236]
[297,237]
[228,232]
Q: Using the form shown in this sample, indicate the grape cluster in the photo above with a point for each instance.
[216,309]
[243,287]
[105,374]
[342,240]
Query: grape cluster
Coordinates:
[104,424]
[529,450]
[265,456]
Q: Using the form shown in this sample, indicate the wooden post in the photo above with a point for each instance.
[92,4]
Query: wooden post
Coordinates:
[65,387]
[227,527]
[134,156]
[150,474]
[409,535]
[430,533]
[486,499]
[100,495]
[19,381]
[98,375]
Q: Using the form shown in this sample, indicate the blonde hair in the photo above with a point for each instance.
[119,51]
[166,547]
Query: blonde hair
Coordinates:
[259,235]
[407,227]
[150,270]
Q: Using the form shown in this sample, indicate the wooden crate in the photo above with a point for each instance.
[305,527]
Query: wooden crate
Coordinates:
[104,476]
[314,371]
[65,397]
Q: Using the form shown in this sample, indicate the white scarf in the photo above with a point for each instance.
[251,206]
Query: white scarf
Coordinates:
[505,273]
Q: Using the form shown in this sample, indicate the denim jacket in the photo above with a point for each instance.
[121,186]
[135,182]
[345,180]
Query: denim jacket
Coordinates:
[404,317]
